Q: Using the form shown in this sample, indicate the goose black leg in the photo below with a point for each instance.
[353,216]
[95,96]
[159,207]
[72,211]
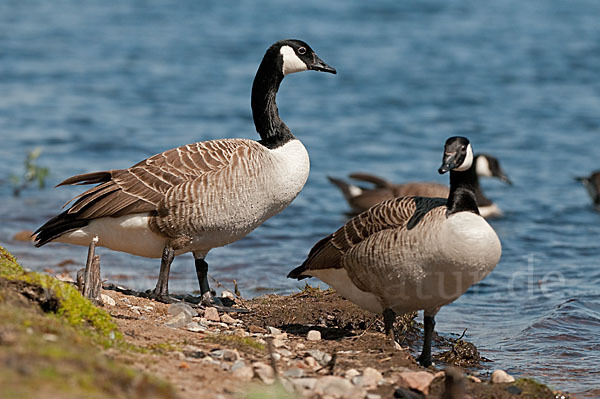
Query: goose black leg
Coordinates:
[425,358]
[161,291]
[389,316]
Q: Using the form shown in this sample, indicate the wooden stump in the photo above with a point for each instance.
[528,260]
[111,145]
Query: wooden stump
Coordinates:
[88,280]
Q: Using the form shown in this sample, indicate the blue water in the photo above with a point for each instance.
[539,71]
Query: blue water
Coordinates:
[101,85]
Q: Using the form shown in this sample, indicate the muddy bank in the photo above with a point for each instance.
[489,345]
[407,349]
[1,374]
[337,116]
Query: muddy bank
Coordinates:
[310,344]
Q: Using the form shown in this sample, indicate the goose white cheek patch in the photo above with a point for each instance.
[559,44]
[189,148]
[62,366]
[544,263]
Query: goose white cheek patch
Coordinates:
[468,160]
[291,62]
[482,167]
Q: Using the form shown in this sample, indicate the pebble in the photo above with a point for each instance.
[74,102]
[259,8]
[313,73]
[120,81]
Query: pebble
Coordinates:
[193,352]
[212,314]
[194,326]
[312,363]
[227,319]
[417,380]
[228,355]
[244,373]
[300,347]
[106,300]
[304,385]
[337,387]
[179,320]
[276,356]
[351,373]
[228,294]
[313,335]
[284,352]
[176,308]
[278,343]
[238,364]
[294,372]
[317,354]
[264,372]
[474,379]
[50,337]
[501,376]
[274,331]
[373,396]
[370,378]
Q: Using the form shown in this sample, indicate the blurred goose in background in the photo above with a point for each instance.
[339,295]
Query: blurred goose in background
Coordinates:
[592,184]
[198,196]
[411,253]
[362,198]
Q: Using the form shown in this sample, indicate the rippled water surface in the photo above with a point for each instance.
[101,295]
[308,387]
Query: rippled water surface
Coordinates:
[102,85]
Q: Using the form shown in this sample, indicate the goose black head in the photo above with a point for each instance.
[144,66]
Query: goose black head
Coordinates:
[296,56]
[458,155]
[489,166]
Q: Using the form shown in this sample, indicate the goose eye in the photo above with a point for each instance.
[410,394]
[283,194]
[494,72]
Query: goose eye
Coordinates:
[302,50]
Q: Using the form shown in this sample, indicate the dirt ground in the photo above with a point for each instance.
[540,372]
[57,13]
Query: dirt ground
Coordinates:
[353,335]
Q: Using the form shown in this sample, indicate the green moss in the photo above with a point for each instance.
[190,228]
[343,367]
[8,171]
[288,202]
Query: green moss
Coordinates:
[533,389]
[240,343]
[74,308]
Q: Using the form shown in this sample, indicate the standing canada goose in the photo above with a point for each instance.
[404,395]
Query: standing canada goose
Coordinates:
[592,184]
[199,196]
[411,253]
[361,198]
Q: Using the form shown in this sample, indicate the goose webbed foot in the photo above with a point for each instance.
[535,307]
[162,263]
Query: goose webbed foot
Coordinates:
[389,316]
[208,299]
[159,297]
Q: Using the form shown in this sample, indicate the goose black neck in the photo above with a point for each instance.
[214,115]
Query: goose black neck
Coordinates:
[481,199]
[273,132]
[462,192]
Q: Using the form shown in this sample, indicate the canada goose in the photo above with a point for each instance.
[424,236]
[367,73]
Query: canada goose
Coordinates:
[411,253]
[592,184]
[198,196]
[361,198]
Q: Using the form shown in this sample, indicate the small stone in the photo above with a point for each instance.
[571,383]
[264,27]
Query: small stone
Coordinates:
[179,320]
[244,373]
[351,373]
[501,376]
[337,387]
[228,294]
[312,363]
[417,380]
[326,359]
[212,314]
[294,372]
[276,356]
[371,378]
[238,364]
[304,385]
[284,352]
[317,354]
[227,319]
[193,352]
[228,355]
[277,343]
[194,326]
[255,329]
[313,335]
[65,277]
[373,396]
[274,331]
[106,300]
[264,372]
[176,308]
[50,337]
[300,347]
[474,379]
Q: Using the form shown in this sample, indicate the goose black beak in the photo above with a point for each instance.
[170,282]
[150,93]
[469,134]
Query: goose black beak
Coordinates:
[319,65]
[505,179]
[448,163]
[580,178]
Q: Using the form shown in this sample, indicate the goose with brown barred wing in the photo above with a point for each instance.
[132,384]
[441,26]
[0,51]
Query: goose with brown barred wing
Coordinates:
[411,253]
[198,196]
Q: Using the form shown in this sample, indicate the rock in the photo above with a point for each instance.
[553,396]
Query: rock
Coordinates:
[312,363]
[238,364]
[294,372]
[65,277]
[264,372]
[351,373]
[317,354]
[304,385]
[337,387]
[277,343]
[326,359]
[228,355]
[176,308]
[501,376]
[313,335]
[255,329]
[274,331]
[228,294]
[300,347]
[194,326]
[370,378]
[373,396]
[193,352]
[106,300]
[212,314]
[474,379]
[276,356]
[50,337]
[417,380]
[284,352]
[244,373]
[228,319]
[179,320]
